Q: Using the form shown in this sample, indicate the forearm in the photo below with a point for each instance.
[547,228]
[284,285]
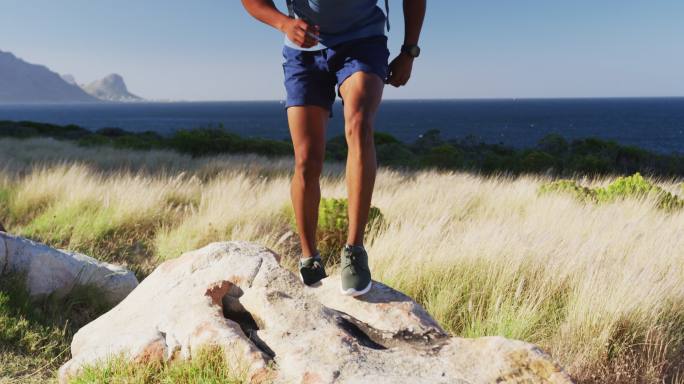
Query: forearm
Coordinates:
[266,12]
[414,13]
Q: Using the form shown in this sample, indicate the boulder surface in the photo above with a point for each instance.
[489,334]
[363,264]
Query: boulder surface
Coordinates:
[50,270]
[236,295]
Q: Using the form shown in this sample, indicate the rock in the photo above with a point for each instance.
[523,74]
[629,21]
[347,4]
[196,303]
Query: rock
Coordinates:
[236,295]
[111,88]
[50,270]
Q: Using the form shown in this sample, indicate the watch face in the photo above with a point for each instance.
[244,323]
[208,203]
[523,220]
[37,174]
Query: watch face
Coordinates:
[412,50]
[415,51]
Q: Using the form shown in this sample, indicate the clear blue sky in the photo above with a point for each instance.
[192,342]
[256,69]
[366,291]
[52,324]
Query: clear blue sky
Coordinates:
[212,50]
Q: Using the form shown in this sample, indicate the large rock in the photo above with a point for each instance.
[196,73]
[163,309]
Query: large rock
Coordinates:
[236,295]
[50,270]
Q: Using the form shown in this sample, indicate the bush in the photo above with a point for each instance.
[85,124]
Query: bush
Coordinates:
[333,222]
[25,129]
[444,156]
[631,187]
[537,161]
[636,186]
[554,144]
[570,187]
[589,164]
[395,154]
[212,141]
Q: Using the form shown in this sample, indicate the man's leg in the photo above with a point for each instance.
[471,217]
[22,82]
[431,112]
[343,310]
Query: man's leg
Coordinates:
[362,93]
[307,127]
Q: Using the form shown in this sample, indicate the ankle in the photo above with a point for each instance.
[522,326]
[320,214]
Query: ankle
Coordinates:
[355,246]
[315,255]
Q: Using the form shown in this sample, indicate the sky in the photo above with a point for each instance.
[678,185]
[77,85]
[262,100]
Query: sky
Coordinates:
[213,50]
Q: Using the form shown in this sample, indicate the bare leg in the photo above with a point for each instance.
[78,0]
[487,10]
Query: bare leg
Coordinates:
[362,93]
[307,128]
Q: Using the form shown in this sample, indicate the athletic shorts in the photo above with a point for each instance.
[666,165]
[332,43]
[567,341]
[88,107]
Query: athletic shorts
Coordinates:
[311,76]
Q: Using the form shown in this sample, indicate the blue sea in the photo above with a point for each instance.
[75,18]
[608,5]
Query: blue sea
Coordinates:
[656,124]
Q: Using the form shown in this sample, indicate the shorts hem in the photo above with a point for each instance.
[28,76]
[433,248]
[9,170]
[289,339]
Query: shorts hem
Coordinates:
[360,69]
[304,103]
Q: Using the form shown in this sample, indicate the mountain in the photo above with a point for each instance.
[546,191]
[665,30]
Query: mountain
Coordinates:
[69,79]
[22,82]
[111,88]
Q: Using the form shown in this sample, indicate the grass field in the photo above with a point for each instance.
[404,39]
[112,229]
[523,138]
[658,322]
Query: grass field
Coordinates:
[598,286]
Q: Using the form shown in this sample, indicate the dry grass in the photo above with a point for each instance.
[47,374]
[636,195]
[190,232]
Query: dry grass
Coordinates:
[598,286]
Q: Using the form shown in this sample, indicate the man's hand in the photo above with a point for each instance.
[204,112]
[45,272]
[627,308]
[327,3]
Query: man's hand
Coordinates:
[400,70]
[297,30]
[301,33]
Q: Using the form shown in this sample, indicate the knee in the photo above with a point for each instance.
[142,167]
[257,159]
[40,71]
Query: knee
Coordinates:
[309,165]
[359,129]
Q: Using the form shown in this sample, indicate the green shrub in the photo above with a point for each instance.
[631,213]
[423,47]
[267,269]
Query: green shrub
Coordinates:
[554,144]
[444,156]
[537,161]
[395,154]
[636,186]
[212,141]
[333,223]
[630,187]
[94,140]
[140,141]
[591,164]
[570,187]
[25,129]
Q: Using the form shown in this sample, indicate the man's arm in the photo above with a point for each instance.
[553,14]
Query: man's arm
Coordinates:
[297,30]
[401,67]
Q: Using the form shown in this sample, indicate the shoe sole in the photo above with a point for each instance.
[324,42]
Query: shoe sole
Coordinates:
[354,292]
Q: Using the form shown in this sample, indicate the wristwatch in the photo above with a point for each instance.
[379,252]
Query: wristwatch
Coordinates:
[411,50]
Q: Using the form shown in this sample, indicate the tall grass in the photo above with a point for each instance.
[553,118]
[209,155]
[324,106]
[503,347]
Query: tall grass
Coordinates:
[598,286]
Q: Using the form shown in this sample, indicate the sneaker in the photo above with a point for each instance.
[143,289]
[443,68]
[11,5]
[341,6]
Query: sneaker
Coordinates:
[311,270]
[355,277]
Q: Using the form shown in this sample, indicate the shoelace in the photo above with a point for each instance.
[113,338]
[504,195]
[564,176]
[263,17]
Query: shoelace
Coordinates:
[352,263]
[316,264]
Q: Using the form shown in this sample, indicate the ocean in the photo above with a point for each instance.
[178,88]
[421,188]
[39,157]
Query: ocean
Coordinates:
[655,124]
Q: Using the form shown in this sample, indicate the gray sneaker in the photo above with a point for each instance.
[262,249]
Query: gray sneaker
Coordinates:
[311,270]
[355,276]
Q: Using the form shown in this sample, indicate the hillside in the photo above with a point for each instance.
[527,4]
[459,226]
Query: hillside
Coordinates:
[22,82]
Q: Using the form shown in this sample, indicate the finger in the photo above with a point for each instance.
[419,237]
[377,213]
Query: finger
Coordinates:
[313,29]
[310,41]
[301,37]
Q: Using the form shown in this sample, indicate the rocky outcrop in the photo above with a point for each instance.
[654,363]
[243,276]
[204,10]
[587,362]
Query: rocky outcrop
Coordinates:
[111,88]
[236,295]
[50,270]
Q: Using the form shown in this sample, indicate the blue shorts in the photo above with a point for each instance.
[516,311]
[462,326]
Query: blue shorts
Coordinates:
[311,76]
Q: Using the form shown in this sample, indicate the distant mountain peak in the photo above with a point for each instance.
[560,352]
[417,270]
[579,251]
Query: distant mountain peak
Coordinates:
[111,88]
